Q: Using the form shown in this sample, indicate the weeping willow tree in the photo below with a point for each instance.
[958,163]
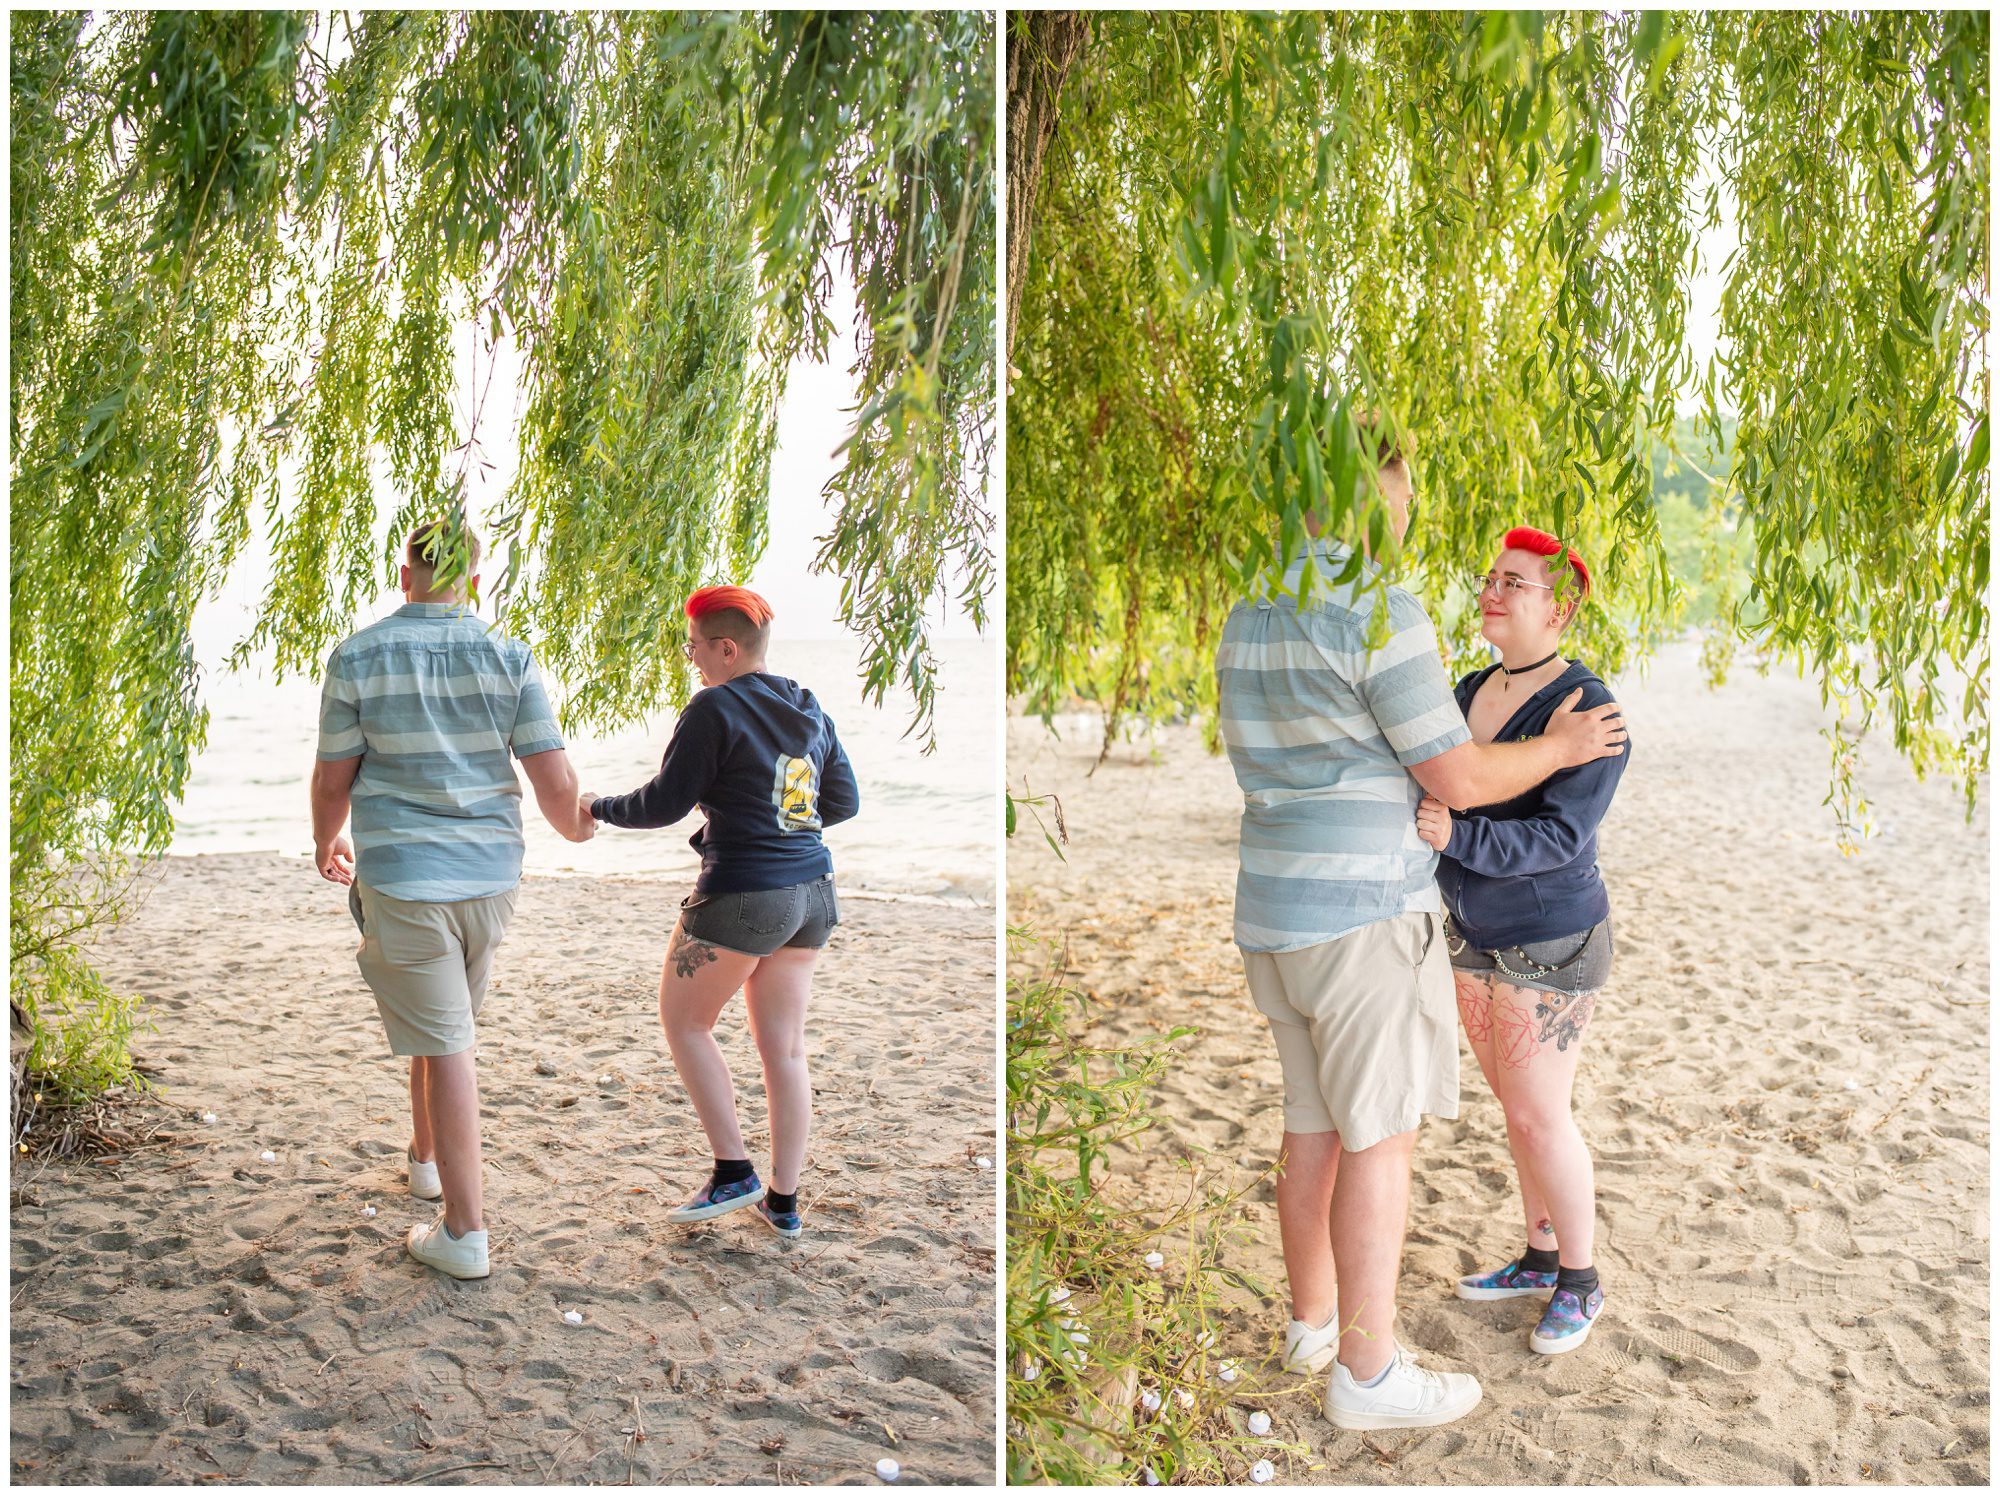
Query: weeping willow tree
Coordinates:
[246,247]
[1248,229]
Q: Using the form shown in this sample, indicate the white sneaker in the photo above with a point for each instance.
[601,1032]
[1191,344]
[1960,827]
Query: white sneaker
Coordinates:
[424,1181]
[459,1256]
[1310,1348]
[1408,1397]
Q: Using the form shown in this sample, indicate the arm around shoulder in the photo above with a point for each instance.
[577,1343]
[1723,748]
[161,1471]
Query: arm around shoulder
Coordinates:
[1490,773]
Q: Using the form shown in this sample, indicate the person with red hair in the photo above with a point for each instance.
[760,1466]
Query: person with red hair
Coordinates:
[1528,925]
[761,760]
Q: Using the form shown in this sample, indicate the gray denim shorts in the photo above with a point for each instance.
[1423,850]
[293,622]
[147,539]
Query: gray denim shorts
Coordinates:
[1570,964]
[756,924]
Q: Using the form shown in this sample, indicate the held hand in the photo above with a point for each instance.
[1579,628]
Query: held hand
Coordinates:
[335,860]
[1583,737]
[586,823]
[1434,822]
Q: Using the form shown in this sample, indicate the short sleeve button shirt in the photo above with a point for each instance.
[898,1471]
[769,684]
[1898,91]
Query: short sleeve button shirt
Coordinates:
[433,703]
[1321,733]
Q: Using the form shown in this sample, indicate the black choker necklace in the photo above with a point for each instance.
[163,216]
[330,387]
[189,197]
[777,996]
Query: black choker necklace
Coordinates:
[1510,674]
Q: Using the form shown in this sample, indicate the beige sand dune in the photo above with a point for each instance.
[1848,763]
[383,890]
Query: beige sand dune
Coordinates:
[1785,1089]
[195,1312]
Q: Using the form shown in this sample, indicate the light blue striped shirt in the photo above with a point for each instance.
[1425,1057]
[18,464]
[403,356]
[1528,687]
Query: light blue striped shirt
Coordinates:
[432,703]
[1321,734]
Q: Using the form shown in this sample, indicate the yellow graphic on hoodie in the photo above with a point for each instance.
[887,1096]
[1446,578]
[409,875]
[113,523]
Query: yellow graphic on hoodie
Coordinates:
[796,795]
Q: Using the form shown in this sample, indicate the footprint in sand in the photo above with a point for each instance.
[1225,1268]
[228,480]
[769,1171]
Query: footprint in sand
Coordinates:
[1679,1343]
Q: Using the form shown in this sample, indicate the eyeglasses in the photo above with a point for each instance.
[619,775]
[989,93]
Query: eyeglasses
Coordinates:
[1509,586]
[687,649]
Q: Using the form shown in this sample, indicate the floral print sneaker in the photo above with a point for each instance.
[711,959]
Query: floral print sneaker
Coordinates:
[713,1199]
[1510,1282]
[1567,1322]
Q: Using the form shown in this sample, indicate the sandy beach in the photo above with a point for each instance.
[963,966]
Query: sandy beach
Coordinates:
[193,1313]
[1785,1089]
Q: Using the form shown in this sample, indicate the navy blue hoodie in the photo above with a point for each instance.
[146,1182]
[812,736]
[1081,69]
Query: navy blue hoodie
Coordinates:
[1526,869]
[761,760]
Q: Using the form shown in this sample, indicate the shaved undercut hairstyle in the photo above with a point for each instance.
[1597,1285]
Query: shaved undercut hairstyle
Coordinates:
[733,613]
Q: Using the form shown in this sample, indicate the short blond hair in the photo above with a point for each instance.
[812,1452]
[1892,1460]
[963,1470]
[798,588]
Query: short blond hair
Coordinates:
[420,550]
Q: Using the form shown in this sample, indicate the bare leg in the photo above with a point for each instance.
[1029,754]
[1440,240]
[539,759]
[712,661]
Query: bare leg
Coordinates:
[1371,1203]
[1539,1040]
[776,994]
[1476,1013]
[1309,1165]
[423,1141]
[695,983]
[452,1099]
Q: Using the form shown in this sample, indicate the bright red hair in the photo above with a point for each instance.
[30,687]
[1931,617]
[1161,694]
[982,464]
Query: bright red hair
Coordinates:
[732,599]
[1542,543]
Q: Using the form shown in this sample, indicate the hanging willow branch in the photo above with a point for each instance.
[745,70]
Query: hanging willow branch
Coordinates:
[246,246]
[1249,228]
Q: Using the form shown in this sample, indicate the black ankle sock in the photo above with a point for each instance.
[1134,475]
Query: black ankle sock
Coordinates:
[1540,1260]
[781,1204]
[729,1170]
[1578,1280]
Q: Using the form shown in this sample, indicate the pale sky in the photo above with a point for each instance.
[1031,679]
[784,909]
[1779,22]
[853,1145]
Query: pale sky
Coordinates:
[815,418]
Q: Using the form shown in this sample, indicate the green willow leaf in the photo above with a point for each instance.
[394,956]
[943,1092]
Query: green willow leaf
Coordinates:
[1500,245]
[250,248]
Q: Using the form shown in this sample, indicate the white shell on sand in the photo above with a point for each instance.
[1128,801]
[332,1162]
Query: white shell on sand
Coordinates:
[1059,1294]
[1260,1423]
[368,1210]
[1155,1261]
[1146,1474]
[208,1116]
[268,1156]
[1261,1472]
[887,1468]
[1150,1400]
[1032,1370]
[1184,1397]
[571,1317]
[606,1080]
[983,1162]
[1228,1373]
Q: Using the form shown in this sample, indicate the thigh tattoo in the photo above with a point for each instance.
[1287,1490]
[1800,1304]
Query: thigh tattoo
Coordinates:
[689,954]
[1557,1016]
[1561,1016]
[1475,1006]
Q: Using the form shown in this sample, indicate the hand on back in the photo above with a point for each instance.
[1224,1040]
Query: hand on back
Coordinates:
[1434,822]
[1585,736]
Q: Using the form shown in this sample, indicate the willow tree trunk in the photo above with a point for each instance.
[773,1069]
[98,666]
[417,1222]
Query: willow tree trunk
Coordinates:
[1042,47]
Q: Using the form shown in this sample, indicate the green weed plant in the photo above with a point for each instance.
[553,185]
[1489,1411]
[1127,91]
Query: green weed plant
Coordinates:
[1113,1370]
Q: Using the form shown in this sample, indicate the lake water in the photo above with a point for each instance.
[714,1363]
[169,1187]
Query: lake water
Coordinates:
[928,827]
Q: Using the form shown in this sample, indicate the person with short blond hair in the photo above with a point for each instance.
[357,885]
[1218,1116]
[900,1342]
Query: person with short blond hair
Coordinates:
[418,718]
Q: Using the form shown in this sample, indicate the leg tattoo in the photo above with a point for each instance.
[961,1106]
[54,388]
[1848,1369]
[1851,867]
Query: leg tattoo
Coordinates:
[1545,1227]
[1515,1041]
[1475,1010]
[689,954]
[1562,1018]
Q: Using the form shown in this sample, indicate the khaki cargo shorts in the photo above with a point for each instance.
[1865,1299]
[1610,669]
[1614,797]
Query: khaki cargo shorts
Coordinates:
[427,964]
[1366,1027]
